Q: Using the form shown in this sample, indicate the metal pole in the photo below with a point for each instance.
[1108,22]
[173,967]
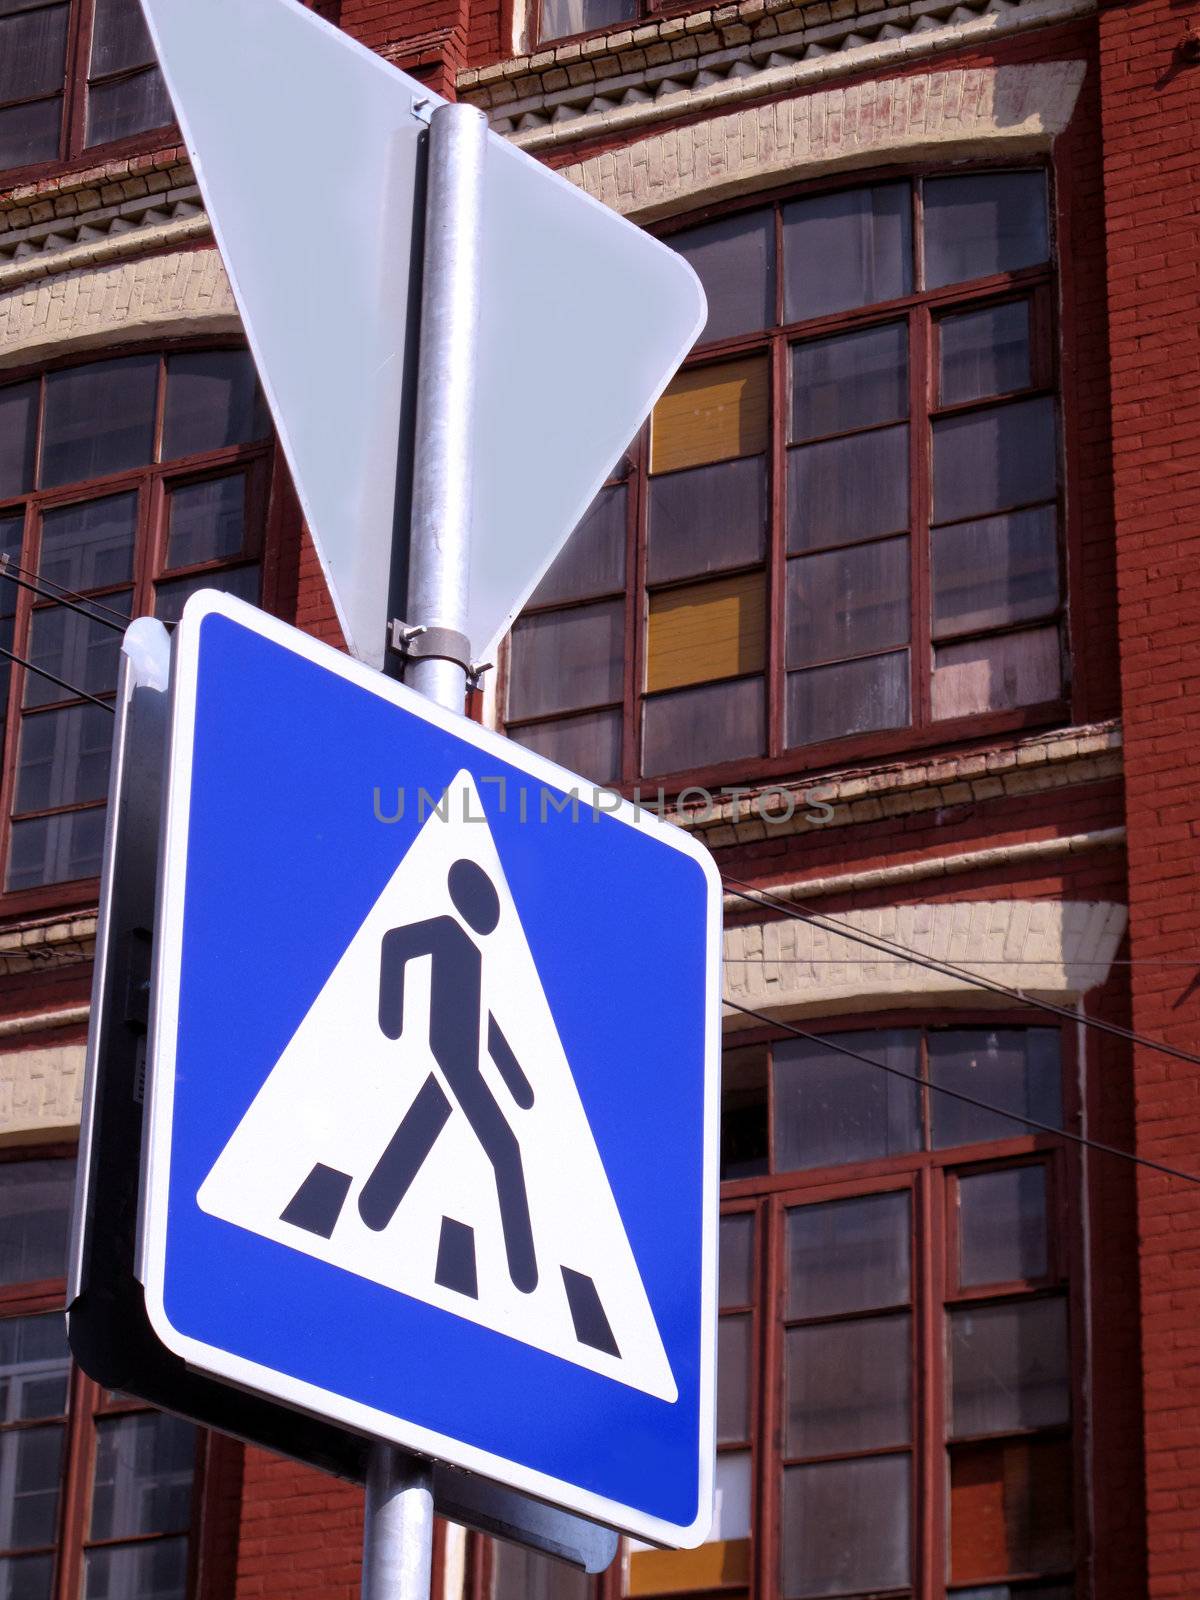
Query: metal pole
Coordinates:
[398,1530]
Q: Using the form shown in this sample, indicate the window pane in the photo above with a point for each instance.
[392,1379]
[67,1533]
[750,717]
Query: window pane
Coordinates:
[1004,1591]
[18,438]
[519,1574]
[34,1364]
[1000,570]
[848,1255]
[984,223]
[120,39]
[99,419]
[562,17]
[33,53]
[985,352]
[82,653]
[734,258]
[170,598]
[852,381]
[845,250]
[206,521]
[830,1109]
[127,106]
[733,1379]
[846,1527]
[1010,1508]
[63,757]
[56,849]
[30,133]
[156,1571]
[706,519]
[847,602]
[590,745]
[90,546]
[26,1577]
[1017,1069]
[592,562]
[849,1386]
[731,1499]
[143,1476]
[560,660]
[35,1221]
[700,727]
[852,697]
[1013,669]
[711,414]
[30,1469]
[994,459]
[213,400]
[1002,1226]
[844,490]
[744,1152]
[1009,1367]
[707,630]
[737,1259]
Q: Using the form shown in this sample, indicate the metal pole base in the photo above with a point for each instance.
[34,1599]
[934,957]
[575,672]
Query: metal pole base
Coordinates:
[398,1531]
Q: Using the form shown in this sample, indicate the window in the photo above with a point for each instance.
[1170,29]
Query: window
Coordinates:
[96,1490]
[844,523]
[894,1391]
[130,481]
[75,76]
[556,19]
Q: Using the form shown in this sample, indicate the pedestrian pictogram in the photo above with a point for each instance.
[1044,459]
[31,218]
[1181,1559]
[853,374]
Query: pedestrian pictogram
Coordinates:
[422,1128]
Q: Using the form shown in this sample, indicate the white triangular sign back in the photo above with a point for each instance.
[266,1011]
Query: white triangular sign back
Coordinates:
[298,1168]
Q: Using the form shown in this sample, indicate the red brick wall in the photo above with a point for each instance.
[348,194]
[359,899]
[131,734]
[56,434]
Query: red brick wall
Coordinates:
[301,1533]
[1151,109]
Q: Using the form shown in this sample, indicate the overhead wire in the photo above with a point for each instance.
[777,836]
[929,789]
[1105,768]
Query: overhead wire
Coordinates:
[61,682]
[800,913]
[827,1043]
[65,597]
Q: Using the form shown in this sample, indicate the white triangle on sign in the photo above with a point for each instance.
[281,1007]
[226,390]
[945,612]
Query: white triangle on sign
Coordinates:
[313,1164]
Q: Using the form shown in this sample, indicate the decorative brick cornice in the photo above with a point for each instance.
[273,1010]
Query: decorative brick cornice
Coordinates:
[84,187]
[47,942]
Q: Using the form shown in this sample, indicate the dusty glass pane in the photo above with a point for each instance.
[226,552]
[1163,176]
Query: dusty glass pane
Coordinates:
[853,248]
[985,352]
[848,1386]
[127,106]
[83,653]
[733,1379]
[12,533]
[984,222]
[26,1577]
[99,419]
[848,1255]
[33,52]
[849,697]
[1016,1069]
[120,39]
[592,562]
[700,727]
[1005,1591]
[56,849]
[994,459]
[89,546]
[1012,669]
[843,490]
[35,1363]
[213,400]
[744,1140]
[18,437]
[170,598]
[1002,1226]
[847,602]
[206,521]
[561,660]
[30,133]
[846,1527]
[1008,1367]
[707,519]
[156,1571]
[30,1469]
[732,1497]
[995,571]
[737,1259]
[589,745]
[519,1574]
[854,380]
[829,1109]
[1010,1508]
[63,757]
[142,1481]
[734,258]
[562,17]
[35,1220]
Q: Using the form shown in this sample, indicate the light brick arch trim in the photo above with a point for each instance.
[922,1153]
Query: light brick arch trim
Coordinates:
[951,116]
[154,297]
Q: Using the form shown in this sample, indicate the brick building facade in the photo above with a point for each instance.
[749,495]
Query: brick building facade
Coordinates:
[893,603]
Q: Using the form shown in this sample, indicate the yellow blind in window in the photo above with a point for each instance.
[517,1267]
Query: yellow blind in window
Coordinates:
[706,631]
[711,414]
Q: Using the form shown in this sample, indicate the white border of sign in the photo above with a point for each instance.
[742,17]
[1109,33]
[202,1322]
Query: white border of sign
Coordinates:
[168,944]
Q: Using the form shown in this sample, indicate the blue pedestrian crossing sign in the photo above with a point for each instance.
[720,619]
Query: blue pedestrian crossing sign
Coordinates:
[433,1089]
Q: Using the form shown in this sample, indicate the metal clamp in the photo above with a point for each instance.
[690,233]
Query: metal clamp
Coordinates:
[418,643]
